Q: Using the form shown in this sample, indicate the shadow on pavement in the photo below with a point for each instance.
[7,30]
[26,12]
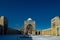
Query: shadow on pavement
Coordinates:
[24,37]
[15,37]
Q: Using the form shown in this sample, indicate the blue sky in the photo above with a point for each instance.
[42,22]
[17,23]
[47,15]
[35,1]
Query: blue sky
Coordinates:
[42,11]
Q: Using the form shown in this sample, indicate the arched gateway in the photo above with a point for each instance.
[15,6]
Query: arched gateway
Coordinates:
[29,27]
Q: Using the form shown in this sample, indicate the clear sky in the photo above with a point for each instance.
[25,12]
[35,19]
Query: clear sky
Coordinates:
[42,11]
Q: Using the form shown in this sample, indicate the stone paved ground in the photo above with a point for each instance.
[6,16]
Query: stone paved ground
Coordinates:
[45,37]
[21,37]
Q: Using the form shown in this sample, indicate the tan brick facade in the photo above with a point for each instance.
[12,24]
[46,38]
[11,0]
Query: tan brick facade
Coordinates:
[45,32]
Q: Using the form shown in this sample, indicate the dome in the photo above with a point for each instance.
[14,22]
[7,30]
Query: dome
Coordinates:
[29,19]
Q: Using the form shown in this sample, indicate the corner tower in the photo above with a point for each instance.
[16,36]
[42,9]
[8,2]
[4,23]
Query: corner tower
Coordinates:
[3,25]
[55,24]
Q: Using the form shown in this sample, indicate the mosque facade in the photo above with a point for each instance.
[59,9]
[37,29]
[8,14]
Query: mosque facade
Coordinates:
[30,27]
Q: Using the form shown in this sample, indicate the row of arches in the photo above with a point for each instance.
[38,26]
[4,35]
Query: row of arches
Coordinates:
[37,32]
